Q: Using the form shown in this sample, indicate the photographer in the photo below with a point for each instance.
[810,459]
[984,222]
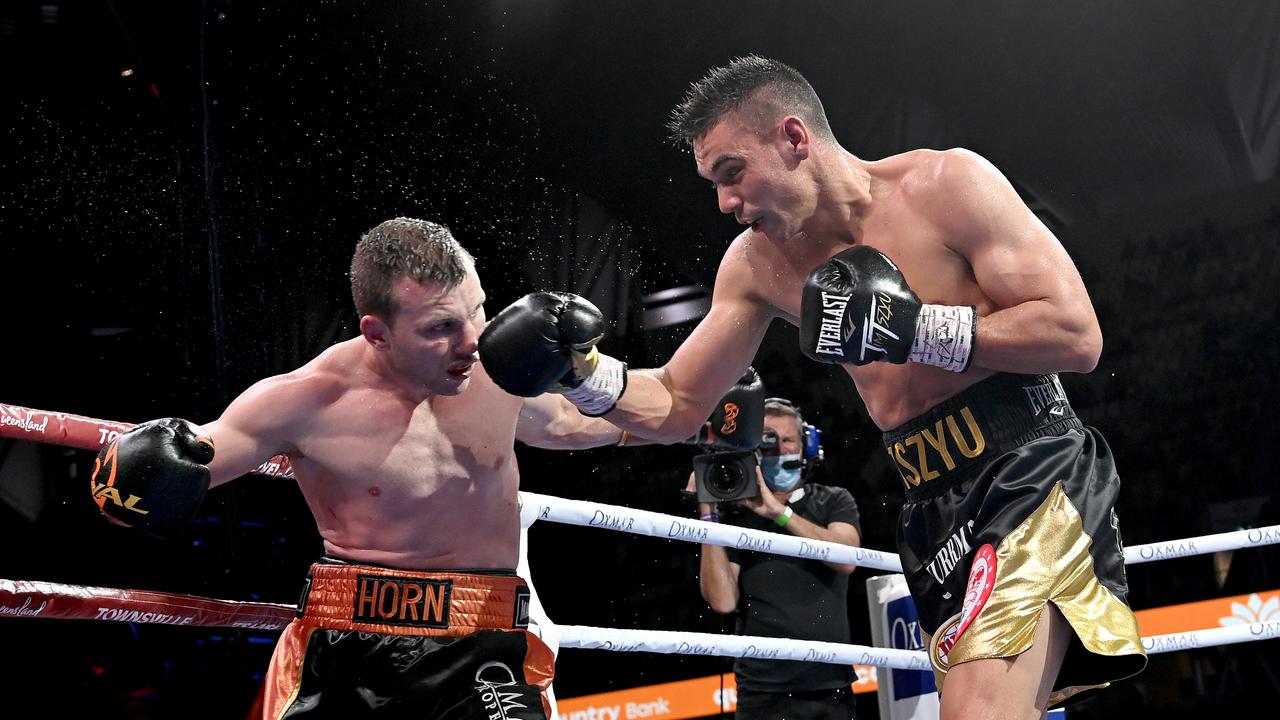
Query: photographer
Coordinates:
[779,596]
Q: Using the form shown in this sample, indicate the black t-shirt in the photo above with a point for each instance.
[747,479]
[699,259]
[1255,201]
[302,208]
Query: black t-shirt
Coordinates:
[782,596]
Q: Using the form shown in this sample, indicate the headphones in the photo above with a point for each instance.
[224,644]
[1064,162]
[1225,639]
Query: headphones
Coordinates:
[811,452]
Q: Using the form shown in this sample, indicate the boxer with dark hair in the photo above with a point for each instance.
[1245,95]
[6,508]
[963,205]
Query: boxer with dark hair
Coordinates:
[952,308]
[404,451]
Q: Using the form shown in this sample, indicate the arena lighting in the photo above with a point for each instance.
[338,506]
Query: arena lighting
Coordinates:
[127,72]
[674,306]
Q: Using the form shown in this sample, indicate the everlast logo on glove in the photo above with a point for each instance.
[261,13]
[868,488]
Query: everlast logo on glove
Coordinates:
[831,330]
[856,309]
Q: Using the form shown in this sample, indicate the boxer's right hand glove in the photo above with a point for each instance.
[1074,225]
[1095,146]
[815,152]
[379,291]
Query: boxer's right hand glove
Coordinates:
[857,308]
[153,477]
[737,422]
[546,342]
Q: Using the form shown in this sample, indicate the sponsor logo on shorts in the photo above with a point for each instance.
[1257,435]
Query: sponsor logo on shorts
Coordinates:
[956,547]
[491,678]
[402,601]
[925,455]
[941,642]
[982,579]
[521,619]
[1047,399]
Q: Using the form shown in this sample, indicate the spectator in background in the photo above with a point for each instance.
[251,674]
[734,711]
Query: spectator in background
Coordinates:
[780,596]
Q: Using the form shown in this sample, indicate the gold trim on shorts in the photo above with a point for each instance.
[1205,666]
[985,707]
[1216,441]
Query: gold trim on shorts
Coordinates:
[1046,559]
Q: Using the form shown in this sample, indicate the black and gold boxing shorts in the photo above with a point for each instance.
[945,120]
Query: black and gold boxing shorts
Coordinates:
[1010,505]
[385,643]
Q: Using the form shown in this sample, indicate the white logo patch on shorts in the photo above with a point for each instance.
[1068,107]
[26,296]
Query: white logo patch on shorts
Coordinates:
[490,679]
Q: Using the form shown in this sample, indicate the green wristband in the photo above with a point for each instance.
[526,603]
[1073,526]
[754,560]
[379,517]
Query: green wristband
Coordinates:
[784,518]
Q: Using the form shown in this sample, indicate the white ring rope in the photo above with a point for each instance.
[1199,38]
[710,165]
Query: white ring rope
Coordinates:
[654,524]
[691,643]
[87,433]
[1234,540]
[645,522]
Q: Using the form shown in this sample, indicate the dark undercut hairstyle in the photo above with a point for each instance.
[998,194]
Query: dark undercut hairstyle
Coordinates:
[424,251]
[776,89]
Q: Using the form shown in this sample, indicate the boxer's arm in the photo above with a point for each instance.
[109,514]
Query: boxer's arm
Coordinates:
[262,422]
[551,421]
[671,403]
[1045,321]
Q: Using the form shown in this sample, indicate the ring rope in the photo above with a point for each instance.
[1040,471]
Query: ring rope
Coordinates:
[654,524]
[22,598]
[32,598]
[644,522]
[68,601]
[86,433]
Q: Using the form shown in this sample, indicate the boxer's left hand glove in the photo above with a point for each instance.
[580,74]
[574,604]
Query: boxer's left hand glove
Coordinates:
[546,342]
[857,308]
[154,476]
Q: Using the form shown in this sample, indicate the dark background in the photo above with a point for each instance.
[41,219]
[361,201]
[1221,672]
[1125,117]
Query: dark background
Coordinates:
[170,236]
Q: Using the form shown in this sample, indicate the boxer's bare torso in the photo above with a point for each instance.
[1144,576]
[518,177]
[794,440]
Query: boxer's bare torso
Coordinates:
[392,480]
[948,219]
[894,225]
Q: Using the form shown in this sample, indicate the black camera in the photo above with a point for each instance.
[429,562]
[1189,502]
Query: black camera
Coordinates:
[726,476]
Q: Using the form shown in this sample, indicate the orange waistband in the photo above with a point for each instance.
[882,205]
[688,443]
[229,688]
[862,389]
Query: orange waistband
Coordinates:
[408,602]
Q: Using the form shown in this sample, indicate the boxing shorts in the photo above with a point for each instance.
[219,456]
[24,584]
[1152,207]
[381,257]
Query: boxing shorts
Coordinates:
[374,642]
[1010,505]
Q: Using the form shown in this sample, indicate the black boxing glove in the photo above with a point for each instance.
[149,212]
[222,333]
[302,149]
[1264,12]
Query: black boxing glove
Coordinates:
[546,342]
[737,422]
[857,308]
[154,476]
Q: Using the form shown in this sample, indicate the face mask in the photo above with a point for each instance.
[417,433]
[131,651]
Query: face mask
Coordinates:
[777,473]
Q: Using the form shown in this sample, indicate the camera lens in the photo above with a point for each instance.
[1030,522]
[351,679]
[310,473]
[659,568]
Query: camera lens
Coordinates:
[725,478]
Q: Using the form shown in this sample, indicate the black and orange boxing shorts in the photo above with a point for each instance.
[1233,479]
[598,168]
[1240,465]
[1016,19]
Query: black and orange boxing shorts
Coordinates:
[1010,506]
[373,642]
